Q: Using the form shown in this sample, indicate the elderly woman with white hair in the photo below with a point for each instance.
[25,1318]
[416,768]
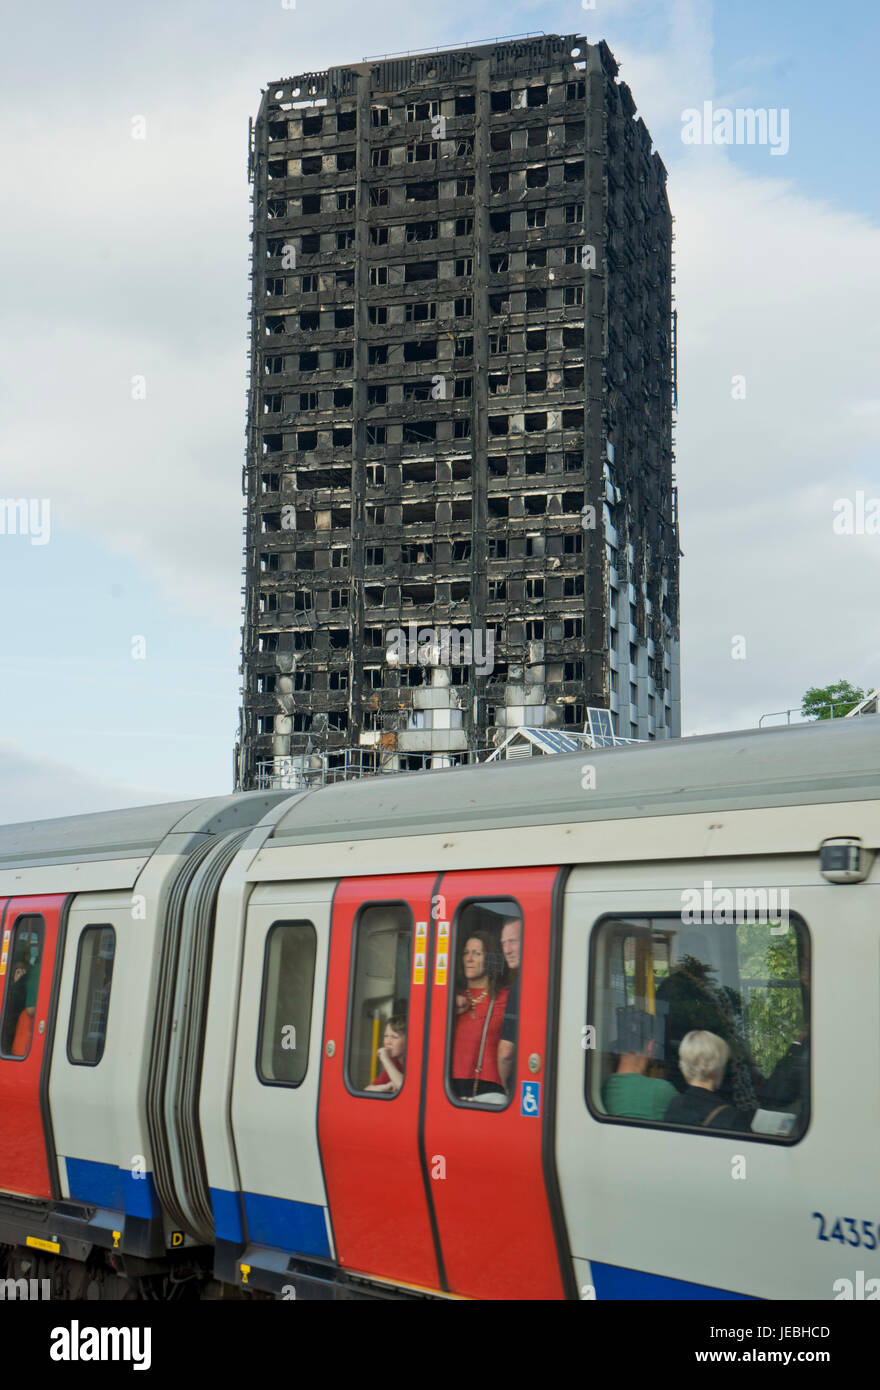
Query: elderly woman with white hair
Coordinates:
[702,1058]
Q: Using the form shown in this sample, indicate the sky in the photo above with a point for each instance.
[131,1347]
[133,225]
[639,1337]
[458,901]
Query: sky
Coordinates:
[128,259]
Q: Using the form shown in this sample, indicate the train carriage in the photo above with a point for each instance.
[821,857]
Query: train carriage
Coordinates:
[193,997]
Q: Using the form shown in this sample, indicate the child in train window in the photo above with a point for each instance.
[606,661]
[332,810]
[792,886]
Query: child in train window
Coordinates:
[380,997]
[392,1056]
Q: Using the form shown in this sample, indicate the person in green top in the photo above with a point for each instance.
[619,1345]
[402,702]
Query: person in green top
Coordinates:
[629,1093]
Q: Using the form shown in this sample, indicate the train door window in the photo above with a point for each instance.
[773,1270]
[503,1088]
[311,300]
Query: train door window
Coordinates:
[703,1026]
[91,995]
[286,1009]
[486,952]
[380,999]
[24,959]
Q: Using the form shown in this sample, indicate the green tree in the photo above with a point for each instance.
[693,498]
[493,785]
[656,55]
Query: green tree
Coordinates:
[818,700]
[768,970]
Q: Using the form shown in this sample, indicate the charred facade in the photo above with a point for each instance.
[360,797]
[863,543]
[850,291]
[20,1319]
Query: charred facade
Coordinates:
[460,409]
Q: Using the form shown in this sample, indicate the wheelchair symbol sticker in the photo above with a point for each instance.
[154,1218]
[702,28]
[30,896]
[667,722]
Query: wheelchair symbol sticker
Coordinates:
[530,1101]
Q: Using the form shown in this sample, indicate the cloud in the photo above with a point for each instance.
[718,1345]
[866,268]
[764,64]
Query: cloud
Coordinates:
[776,287]
[149,280]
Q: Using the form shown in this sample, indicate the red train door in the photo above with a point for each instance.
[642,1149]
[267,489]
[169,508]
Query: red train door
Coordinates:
[27,960]
[486,1131]
[373,1168]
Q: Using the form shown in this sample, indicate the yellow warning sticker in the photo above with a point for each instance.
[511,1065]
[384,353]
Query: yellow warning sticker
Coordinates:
[441,963]
[420,954]
[37,1244]
[4,954]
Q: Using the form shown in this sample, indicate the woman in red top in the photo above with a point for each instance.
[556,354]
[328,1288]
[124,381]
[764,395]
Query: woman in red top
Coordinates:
[479,1019]
[390,1054]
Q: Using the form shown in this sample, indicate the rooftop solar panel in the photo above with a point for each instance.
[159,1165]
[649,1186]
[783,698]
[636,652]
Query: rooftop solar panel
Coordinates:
[555,741]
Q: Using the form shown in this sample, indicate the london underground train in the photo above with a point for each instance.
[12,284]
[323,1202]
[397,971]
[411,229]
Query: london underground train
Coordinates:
[590,1026]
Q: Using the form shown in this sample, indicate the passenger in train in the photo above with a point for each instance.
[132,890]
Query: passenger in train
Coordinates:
[694,1001]
[27,977]
[511,949]
[15,999]
[391,1055]
[480,1004]
[630,1093]
[703,1058]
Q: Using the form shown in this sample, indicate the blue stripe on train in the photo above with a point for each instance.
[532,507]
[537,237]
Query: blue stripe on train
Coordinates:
[273,1221]
[295,1226]
[614,1281]
[119,1189]
[228,1215]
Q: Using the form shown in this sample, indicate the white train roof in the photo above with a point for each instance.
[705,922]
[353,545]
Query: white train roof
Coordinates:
[836,761]
[134,833]
[805,765]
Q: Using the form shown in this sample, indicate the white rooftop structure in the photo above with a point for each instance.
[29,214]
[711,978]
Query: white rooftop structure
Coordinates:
[527,742]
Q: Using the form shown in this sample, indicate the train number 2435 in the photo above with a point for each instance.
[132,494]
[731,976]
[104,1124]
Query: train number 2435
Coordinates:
[868,1236]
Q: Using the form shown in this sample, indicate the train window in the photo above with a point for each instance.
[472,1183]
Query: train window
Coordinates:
[23,954]
[91,995]
[286,1010]
[703,1026]
[484,1003]
[380,999]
